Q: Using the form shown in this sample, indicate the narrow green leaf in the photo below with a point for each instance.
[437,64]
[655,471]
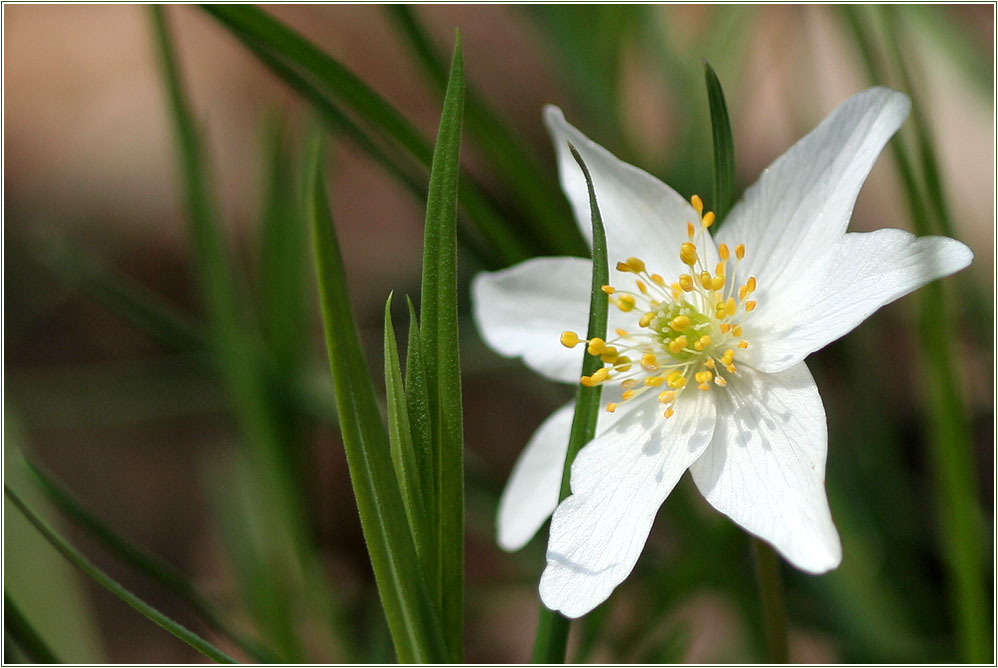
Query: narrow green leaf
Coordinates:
[552,628]
[401,585]
[400,438]
[76,558]
[724,147]
[141,560]
[533,187]
[24,635]
[439,343]
[329,79]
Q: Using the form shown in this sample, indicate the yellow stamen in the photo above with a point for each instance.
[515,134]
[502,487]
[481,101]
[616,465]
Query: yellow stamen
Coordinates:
[625,303]
[697,204]
[743,344]
[705,279]
[657,280]
[737,330]
[596,345]
[623,364]
[690,230]
[629,383]
[686,282]
[724,252]
[740,251]
[611,407]
[677,344]
[601,375]
[750,283]
[725,327]
[688,253]
[669,412]
[702,342]
[628,395]
[654,381]
[717,282]
[667,397]
[570,339]
[678,382]
[680,322]
[646,318]
[635,264]
[621,332]
[622,266]
[649,362]
[707,220]
[608,289]
[749,305]
[609,355]
[720,382]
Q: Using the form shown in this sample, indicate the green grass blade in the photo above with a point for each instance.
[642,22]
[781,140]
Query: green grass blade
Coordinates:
[552,628]
[400,438]
[949,441]
[327,78]
[75,557]
[24,635]
[404,594]
[531,186]
[142,561]
[724,146]
[439,344]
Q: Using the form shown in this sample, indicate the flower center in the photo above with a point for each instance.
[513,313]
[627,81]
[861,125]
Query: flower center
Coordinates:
[687,331]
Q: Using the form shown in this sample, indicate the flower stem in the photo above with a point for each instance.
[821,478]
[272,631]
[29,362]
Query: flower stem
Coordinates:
[767,573]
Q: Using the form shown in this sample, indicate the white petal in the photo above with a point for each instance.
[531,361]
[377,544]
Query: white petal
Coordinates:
[765,468]
[869,270]
[801,205]
[643,217]
[531,494]
[522,311]
[618,483]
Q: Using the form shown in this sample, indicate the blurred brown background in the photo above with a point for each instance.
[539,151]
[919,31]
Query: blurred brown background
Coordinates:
[89,157]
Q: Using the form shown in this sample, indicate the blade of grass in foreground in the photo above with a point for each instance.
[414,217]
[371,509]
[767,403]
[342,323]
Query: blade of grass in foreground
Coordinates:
[724,147]
[25,638]
[552,627]
[328,78]
[103,579]
[401,585]
[949,440]
[439,346]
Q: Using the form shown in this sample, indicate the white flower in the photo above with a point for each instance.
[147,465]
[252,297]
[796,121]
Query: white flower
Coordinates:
[704,358]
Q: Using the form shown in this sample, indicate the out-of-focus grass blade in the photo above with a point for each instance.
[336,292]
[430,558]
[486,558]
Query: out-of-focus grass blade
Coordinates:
[404,594]
[938,22]
[142,561]
[950,443]
[724,146]
[439,345]
[327,78]
[551,640]
[400,438]
[20,630]
[418,404]
[534,188]
[104,580]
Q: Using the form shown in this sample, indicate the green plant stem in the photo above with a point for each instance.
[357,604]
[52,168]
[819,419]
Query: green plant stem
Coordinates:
[24,634]
[551,640]
[76,558]
[767,572]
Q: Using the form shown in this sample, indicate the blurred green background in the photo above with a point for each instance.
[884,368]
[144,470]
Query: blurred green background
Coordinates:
[109,385]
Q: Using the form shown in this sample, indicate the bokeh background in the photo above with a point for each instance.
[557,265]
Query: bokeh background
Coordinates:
[139,428]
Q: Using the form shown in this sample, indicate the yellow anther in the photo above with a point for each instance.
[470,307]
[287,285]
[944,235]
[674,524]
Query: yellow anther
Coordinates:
[587,381]
[669,412]
[596,345]
[719,269]
[601,375]
[725,327]
[688,253]
[609,355]
[629,383]
[717,282]
[680,322]
[623,364]
[719,310]
[635,264]
[649,362]
[686,282]
[677,291]
[697,204]
[705,279]
[658,280]
[623,266]
[703,376]
[677,344]
[709,362]
[728,355]
[621,331]
[731,368]
[646,318]
[625,303]
[724,252]
[743,344]
[672,375]
[667,397]
[611,407]
[628,395]
[702,342]
[707,220]
[654,381]
[570,339]
[690,230]
[742,293]
[737,330]
[608,289]
[749,305]
[678,382]
[720,382]
[729,306]
[750,283]
[642,288]
[740,251]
